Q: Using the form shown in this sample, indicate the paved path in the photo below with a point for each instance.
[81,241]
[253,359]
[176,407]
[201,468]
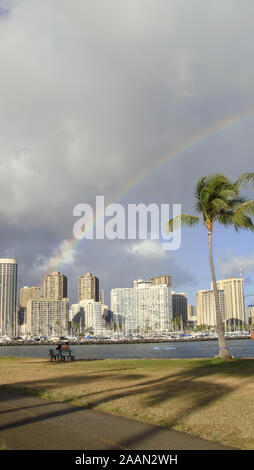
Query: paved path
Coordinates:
[31,423]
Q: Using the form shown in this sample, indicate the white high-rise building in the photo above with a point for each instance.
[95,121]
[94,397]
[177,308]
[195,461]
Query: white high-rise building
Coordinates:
[8,296]
[234,298]
[121,307]
[152,307]
[47,317]
[93,315]
[145,308]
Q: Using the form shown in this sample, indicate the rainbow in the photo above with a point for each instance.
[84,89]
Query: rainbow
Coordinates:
[211,132]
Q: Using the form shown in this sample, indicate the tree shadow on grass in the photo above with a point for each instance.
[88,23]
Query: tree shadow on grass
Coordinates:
[186,382]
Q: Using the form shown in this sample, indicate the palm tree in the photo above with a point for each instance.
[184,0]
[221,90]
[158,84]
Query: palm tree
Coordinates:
[218,200]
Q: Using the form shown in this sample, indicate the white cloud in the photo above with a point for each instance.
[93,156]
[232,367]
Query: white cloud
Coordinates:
[147,249]
[230,265]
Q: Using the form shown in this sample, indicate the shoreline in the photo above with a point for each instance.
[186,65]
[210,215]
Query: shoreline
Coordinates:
[140,341]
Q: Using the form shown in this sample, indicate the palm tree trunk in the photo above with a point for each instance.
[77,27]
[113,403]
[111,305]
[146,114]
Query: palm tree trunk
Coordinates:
[223,350]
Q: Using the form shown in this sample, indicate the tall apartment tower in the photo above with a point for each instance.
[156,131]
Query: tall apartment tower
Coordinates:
[8,296]
[93,315]
[88,287]
[164,279]
[191,313]
[144,308]
[102,296]
[28,293]
[179,306]
[205,307]
[122,308]
[46,317]
[152,306]
[234,298]
[250,314]
[55,286]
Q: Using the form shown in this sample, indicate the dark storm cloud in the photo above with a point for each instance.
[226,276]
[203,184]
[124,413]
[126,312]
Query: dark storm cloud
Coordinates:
[92,93]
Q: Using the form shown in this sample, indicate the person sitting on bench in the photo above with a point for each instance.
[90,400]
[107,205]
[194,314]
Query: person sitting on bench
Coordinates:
[65,347]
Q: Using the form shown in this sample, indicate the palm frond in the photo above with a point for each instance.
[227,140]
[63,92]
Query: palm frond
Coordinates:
[198,207]
[229,193]
[183,219]
[245,179]
[243,213]
[243,221]
[218,205]
[202,183]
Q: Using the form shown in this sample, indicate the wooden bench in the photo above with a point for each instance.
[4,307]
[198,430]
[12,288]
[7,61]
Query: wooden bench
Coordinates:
[59,355]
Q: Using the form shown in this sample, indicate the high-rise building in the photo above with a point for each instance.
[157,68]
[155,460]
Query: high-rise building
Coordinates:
[8,296]
[94,312]
[145,308]
[28,293]
[179,306]
[47,317]
[191,312]
[55,286]
[234,298]
[191,315]
[102,296]
[250,315]
[152,307]
[205,307]
[121,308]
[88,287]
[231,299]
[161,280]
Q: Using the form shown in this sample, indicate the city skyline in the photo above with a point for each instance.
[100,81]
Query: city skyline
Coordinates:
[145,305]
[160,279]
[106,294]
[91,293]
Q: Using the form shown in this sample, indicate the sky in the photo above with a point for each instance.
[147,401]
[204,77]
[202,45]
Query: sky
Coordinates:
[92,95]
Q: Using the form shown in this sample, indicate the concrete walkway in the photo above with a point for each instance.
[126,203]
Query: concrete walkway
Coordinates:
[31,423]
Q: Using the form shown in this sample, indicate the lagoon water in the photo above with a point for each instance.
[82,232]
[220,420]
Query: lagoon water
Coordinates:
[180,350]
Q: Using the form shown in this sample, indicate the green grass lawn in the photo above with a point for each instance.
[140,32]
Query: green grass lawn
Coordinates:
[210,398]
